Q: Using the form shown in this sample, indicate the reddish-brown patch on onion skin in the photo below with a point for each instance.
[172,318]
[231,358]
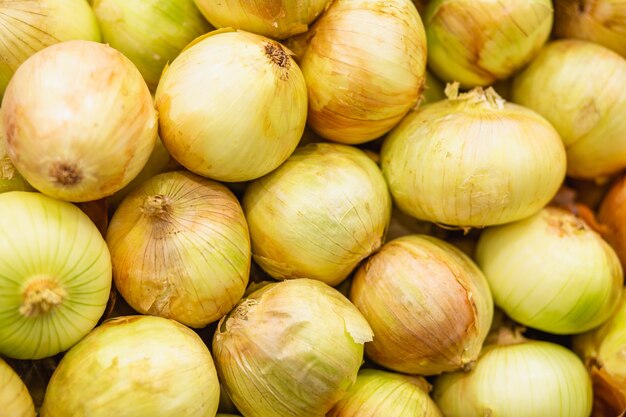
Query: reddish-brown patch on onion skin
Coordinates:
[612,215]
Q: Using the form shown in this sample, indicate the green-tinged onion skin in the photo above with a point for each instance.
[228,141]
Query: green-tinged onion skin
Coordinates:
[10,178]
[277,19]
[473,161]
[55,275]
[15,399]
[291,348]
[79,120]
[28,26]
[589,115]
[180,248]
[138,366]
[428,304]
[551,272]
[319,214]
[479,42]
[150,33]
[379,393]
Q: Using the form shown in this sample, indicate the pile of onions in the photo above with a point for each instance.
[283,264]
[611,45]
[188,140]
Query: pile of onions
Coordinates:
[15,401]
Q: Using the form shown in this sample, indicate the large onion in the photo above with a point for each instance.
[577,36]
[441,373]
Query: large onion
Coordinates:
[15,401]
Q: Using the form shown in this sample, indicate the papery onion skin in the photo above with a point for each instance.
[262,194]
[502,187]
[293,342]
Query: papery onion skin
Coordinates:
[551,271]
[180,248]
[364,62]
[79,120]
[10,178]
[319,214]
[15,399]
[232,107]
[290,348]
[588,115]
[28,26]
[479,42]
[428,304]
[138,366]
[55,275]
[612,217]
[473,161]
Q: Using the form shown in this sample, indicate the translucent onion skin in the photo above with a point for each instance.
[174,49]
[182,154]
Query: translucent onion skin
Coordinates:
[277,19]
[10,178]
[612,217]
[428,304]
[14,397]
[479,42]
[473,161]
[589,116]
[28,26]
[79,120]
[138,366]
[551,272]
[291,348]
[180,248]
[319,214]
[55,275]
[364,62]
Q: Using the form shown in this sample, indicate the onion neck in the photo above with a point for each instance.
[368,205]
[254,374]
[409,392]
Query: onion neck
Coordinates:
[41,295]
[507,336]
[157,205]
[479,97]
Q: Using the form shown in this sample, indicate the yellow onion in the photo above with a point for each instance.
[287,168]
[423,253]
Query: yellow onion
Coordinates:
[291,348]
[551,271]
[278,19]
[79,120]
[138,366]
[232,106]
[517,377]
[612,217]
[319,214]
[55,275]
[28,26]
[14,397]
[364,64]
[428,304]
[150,33]
[589,115]
[473,160]
[10,179]
[479,42]
[180,248]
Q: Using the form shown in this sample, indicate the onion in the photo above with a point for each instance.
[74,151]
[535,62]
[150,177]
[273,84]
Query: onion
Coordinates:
[364,62]
[28,26]
[291,348]
[588,115]
[79,120]
[551,271]
[479,42]
[232,107]
[14,397]
[180,248]
[612,217]
[428,304]
[10,179]
[472,161]
[55,275]
[319,214]
[138,366]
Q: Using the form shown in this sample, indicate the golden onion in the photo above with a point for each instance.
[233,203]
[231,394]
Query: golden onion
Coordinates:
[10,179]
[15,400]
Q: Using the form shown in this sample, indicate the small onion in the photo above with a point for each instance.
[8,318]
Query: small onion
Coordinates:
[138,366]
[473,160]
[612,217]
[589,115]
[10,179]
[55,275]
[479,42]
[15,401]
[428,304]
[551,271]
[319,214]
[180,248]
[80,122]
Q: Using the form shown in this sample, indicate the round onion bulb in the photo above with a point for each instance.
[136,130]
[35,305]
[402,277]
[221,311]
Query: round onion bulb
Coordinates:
[180,248]
[589,116]
[428,304]
[15,399]
[138,366]
[79,121]
[319,214]
[479,42]
[291,348]
[232,107]
[551,271]
[612,217]
[10,178]
[55,275]
[364,62]
[473,160]
[28,26]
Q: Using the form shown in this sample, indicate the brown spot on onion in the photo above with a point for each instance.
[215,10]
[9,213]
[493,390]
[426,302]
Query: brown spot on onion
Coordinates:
[278,56]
